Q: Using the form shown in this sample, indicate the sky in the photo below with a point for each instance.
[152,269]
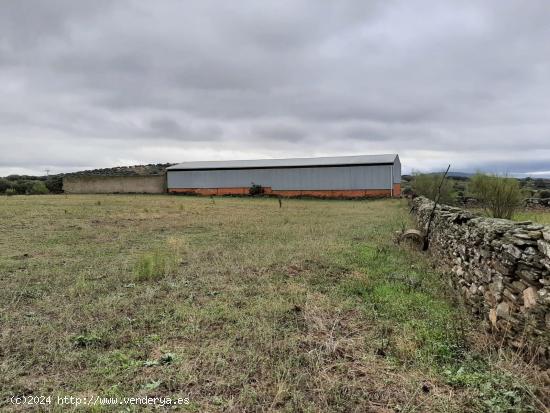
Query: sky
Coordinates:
[102,83]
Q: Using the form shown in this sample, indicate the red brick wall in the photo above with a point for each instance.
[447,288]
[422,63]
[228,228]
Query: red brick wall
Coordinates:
[396,189]
[345,193]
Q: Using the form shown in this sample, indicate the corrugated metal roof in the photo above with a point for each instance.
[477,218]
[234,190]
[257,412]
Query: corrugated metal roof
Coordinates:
[288,163]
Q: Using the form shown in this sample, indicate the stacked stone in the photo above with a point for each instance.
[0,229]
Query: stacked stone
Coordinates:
[501,267]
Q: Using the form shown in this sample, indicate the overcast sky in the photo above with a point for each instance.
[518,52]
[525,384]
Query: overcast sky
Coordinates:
[103,83]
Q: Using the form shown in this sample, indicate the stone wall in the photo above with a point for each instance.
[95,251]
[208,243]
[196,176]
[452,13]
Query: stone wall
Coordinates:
[136,184]
[501,268]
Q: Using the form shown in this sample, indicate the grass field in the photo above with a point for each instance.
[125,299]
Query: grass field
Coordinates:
[541,216]
[239,305]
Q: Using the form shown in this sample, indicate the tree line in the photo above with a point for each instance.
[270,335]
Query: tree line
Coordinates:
[31,185]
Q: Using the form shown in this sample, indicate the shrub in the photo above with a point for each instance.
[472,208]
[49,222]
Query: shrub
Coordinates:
[22,187]
[10,191]
[4,184]
[545,193]
[255,189]
[500,196]
[38,188]
[160,262]
[154,265]
[428,185]
[55,184]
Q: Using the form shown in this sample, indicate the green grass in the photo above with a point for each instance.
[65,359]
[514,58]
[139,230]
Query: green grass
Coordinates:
[539,216]
[542,216]
[241,306]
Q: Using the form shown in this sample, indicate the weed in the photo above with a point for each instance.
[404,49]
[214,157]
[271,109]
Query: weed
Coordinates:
[154,265]
[161,262]
[496,391]
[87,340]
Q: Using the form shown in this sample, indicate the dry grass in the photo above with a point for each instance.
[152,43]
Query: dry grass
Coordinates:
[246,307]
[541,216]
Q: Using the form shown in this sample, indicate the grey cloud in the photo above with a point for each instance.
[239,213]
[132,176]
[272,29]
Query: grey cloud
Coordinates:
[436,82]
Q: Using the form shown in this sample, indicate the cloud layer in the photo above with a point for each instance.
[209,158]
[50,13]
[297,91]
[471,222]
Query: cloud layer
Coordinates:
[102,83]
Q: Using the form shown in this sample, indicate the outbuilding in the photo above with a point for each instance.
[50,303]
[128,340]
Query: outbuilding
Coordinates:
[327,177]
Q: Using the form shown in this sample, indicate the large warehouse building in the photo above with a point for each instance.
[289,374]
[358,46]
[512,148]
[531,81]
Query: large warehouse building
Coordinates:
[343,176]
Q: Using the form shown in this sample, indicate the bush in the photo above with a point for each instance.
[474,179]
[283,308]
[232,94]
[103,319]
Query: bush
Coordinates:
[499,195]
[256,189]
[545,193]
[428,185]
[4,184]
[10,192]
[55,184]
[22,187]
[154,265]
[160,262]
[38,188]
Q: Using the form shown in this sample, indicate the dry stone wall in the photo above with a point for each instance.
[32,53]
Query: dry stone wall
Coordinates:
[501,268]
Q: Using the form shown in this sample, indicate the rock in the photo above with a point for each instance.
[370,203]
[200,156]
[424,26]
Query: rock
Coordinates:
[529,275]
[544,247]
[529,251]
[518,286]
[512,250]
[530,297]
[503,310]
[528,235]
[496,286]
[510,295]
[503,266]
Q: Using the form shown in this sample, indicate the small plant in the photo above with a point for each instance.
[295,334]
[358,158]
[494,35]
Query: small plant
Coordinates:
[86,340]
[159,263]
[255,189]
[152,266]
[497,391]
[500,196]
[10,192]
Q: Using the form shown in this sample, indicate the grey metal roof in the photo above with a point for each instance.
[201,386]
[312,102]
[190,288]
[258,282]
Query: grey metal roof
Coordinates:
[288,163]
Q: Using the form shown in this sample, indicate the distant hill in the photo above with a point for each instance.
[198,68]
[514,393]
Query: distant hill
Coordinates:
[149,169]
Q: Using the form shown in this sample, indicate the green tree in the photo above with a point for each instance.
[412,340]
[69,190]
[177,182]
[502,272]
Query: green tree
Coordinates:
[500,196]
[4,184]
[54,183]
[428,185]
[38,188]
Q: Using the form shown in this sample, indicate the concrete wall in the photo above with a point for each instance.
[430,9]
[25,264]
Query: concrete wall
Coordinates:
[501,268]
[89,184]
